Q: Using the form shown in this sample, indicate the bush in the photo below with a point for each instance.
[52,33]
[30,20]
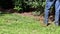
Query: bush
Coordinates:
[26,4]
[36,13]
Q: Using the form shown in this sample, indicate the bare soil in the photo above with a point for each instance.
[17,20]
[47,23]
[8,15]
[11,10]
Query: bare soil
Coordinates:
[39,18]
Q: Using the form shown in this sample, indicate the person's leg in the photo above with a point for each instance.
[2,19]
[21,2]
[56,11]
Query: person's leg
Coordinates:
[59,18]
[49,3]
[57,9]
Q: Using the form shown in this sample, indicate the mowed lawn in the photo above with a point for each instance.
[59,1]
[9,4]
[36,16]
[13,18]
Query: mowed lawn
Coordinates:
[18,24]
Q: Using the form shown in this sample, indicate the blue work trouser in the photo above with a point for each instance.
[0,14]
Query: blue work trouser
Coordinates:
[50,3]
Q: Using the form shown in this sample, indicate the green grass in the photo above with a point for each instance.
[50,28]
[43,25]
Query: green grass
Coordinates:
[17,24]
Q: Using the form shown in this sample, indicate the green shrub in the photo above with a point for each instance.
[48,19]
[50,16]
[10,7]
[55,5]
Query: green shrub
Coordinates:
[36,13]
[27,4]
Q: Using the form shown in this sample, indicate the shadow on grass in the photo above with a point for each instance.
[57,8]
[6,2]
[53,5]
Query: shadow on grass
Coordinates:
[2,13]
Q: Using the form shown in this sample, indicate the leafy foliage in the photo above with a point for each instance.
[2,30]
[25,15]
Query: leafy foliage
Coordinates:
[27,4]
